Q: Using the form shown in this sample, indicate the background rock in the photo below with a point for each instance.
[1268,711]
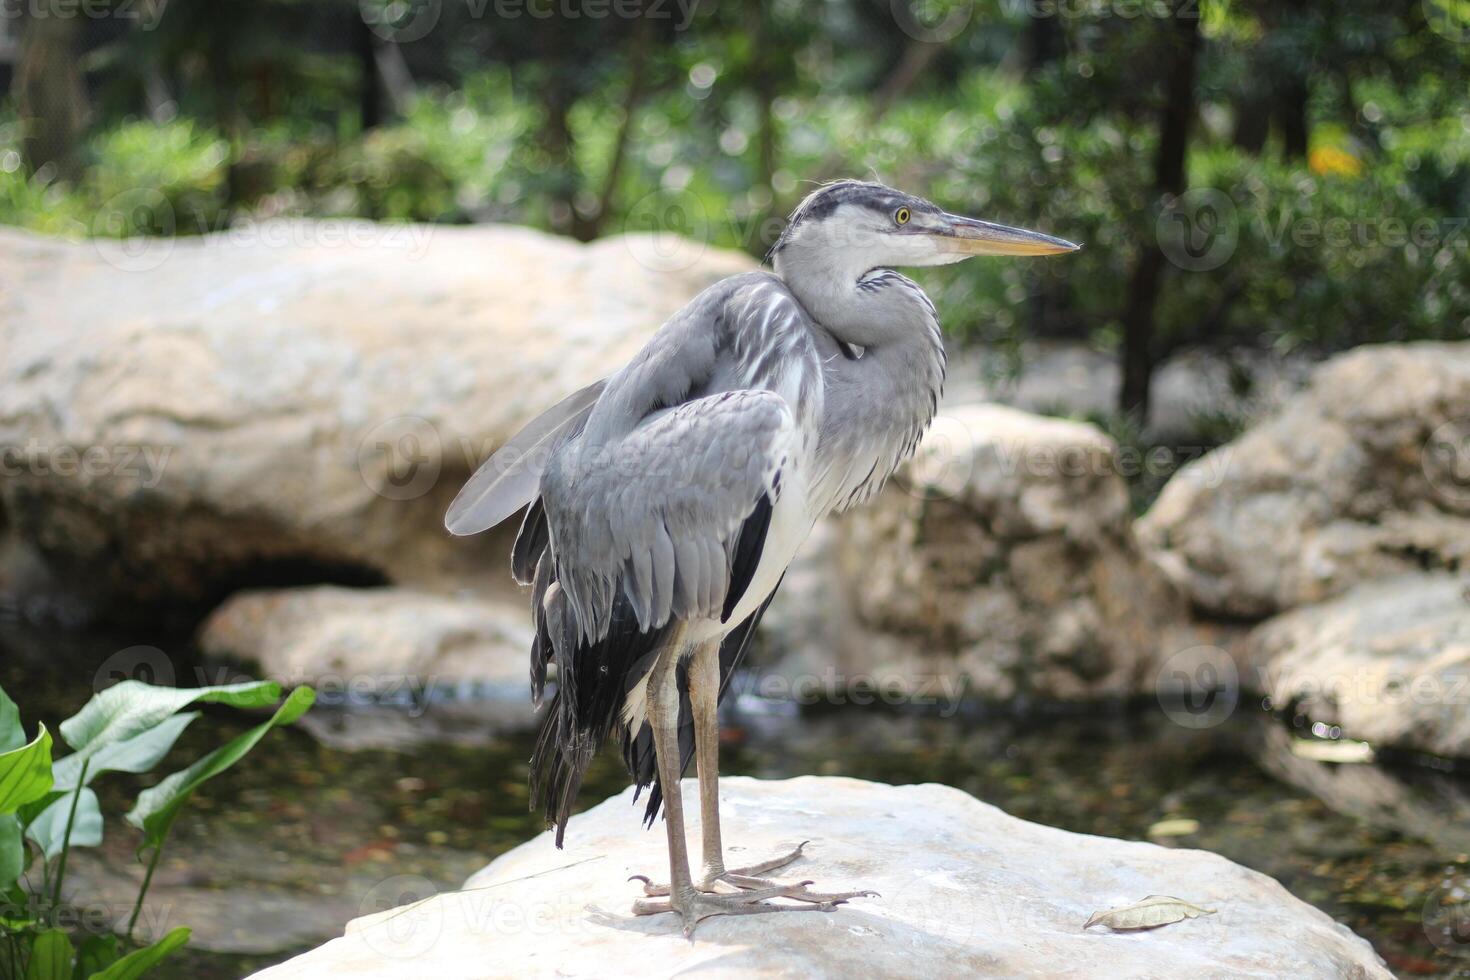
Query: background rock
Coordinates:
[1364,475]
[1003,553]
[294,402]
[445,668]
[966,890]
[1388,662]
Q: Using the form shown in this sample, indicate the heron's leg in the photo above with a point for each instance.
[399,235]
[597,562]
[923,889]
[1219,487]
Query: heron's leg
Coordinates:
[704,696]
[683,898]
[662,701]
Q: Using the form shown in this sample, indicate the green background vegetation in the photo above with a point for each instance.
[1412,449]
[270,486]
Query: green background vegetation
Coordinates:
[1338,133]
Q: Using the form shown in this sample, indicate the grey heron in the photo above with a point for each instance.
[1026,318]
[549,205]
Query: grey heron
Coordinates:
[664,502]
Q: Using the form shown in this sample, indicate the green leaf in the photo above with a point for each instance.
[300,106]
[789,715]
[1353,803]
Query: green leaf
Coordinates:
[130,708]
[137,963]
[48,827]
[137,754]
[50,957]
[97,953]
[158,806]
[12,850]
[12,736]
[15,909]
[25,773]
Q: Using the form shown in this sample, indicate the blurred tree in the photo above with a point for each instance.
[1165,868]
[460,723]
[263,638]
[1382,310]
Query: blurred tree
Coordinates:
[1315,154]
[50,94]
[1180,43]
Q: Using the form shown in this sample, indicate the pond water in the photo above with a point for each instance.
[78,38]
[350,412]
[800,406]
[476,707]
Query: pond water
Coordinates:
[274,856]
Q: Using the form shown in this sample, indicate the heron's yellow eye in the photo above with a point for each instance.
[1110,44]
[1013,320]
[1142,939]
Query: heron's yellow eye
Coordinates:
[901,216]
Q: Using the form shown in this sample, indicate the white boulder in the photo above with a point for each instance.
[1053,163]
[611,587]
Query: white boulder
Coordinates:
[298,401]
[965,891]
[1002,556]
[392,666]
[1388,662]
[1364,475]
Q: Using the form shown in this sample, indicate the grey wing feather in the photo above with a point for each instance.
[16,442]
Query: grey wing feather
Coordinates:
[656,513]
[509,479]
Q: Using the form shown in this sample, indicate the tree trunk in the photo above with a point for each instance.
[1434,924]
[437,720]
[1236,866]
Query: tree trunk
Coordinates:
[917,57]
[1252,122]
[49,91]
[555,37]
[1043,42]
[370,90]
[637,78]
[1169,179]
[1291,117]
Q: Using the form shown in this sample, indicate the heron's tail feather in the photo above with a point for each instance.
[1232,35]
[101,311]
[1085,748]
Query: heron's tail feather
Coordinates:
[594,681]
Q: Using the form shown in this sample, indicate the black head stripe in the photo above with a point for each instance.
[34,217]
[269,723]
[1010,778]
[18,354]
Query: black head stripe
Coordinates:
[822,202]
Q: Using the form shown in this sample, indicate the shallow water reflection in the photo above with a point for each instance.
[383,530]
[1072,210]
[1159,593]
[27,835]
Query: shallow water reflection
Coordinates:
[275,855]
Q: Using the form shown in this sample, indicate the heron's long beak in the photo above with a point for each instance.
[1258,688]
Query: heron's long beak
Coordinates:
[968,236]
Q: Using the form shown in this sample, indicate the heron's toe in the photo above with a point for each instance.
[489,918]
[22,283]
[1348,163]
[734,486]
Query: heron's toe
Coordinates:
[694,906]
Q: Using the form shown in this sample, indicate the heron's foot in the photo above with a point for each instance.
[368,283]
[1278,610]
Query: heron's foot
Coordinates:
[748,879]
[694,906]
[800,890]
[714,875]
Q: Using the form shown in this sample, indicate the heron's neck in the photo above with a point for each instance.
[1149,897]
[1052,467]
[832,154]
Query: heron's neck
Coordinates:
[827,281]
[879,310]
[878,405]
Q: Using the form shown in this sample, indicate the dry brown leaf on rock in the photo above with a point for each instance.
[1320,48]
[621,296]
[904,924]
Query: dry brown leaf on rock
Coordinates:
[1152,912]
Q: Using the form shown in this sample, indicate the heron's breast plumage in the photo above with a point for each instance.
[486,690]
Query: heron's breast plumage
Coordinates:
[875,408]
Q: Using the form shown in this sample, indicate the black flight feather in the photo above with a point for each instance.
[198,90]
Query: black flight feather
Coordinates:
[747,557]
[594,680]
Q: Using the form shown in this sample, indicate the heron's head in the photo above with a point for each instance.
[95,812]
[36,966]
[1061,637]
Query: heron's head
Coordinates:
[854,226]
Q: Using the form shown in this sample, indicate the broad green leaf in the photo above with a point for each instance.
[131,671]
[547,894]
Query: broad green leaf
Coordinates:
[48,828]
[130,708]
[50,957]
[137,754]
[158,806]
[15,909]
[25,773]
[12,736]
[12,850]
[137,963]
[97,953]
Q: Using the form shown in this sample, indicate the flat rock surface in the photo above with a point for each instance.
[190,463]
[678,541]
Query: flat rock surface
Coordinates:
[966,891]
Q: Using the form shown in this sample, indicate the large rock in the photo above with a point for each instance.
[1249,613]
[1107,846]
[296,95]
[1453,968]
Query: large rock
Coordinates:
[1364,475]
[392,666]
[1002,556]
[294,401]
[966,890]
[1388,662]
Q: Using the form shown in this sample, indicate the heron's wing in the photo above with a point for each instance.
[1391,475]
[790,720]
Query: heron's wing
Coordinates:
[508,480]
[658,515]
[658,509]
